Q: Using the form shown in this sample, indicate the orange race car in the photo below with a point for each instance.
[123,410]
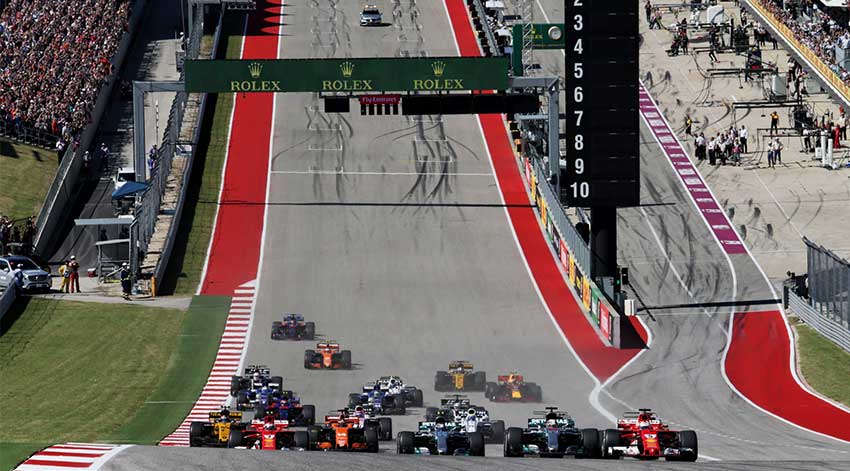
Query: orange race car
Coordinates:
[343,434]
[327,355]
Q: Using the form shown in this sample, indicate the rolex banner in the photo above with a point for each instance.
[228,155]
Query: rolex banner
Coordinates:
[348,75]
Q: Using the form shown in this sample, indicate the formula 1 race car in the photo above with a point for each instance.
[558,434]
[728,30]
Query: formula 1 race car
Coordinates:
[512,387]
[457,408]
[254,399]
[379,400]
[552,436]
[269,434]
[293,327]
[394,385]
[216,432]
[255,377]
[343,435]
[644,436]
[287,406]
[364,417]
[327,355]
[460,378]
[440,438]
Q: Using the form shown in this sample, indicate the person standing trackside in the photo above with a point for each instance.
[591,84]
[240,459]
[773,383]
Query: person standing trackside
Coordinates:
[774,122]
[64,273]
[74,281]
[688,124]
[742,134]
[647,7]
[126,282]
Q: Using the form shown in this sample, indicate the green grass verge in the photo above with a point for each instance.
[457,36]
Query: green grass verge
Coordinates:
[97,363]
[824,365]
[22,163]
[186,376]
[72,370]
[13,453]
[195,229]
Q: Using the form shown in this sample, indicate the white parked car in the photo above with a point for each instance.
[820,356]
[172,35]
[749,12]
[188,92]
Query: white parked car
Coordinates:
[34,277]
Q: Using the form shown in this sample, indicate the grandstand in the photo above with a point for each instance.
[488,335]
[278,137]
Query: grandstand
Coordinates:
[54,58]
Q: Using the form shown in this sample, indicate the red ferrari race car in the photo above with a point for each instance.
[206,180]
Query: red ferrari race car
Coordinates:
[340,434]
[644,436]
[512,387]
[327,355]
[269,434]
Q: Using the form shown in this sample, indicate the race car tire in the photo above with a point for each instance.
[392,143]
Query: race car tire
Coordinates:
[345,359]
[308,414]
[490,390]
[308,358]
[590,443]
[309,330]
[476,443]
[196,434]
[610,438]
[241,398]
[371,436]
[404,443]
[418,399]
[536,393]
[235,385]
[430,414]
[234,439]
[687,439]
[302,440]
[442,381]
[513,443]
[479,380]
[277,380]
[275,328]
[313,433]
[385,428]
[498,431]
[354,399]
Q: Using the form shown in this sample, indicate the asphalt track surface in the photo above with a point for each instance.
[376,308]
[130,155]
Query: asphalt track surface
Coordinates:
[389,232]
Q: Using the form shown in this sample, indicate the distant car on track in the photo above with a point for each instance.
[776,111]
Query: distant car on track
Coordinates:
[380,401]
[644,436]
[457,408]
[286,406]
[327,355]
[554,435]
[412,396]
[269,434]
[370,16]
[440,438]
[216,432]
[460,377]
[255,377]
[293,327]
[343,434]
[512,387]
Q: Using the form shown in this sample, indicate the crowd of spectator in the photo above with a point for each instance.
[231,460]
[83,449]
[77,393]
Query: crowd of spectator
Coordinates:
[814,29]
[54,57]
[12,231]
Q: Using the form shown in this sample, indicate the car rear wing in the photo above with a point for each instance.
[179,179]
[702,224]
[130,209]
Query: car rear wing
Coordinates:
[262,369]
[235,415]
[297,317]
[460,364]
[328,345]
[536,422]
[276,422]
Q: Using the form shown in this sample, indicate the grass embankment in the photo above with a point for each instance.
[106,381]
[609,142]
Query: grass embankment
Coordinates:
[195,230]
[824,365]
[21,163]
[77,371]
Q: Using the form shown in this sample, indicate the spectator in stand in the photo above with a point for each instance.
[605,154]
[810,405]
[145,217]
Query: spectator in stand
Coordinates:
[54,57]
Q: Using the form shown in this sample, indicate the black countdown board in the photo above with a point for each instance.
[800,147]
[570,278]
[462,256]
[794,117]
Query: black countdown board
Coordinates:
[602,118]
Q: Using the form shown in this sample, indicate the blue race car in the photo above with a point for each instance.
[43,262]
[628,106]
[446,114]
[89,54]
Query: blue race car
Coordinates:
[440,438]
[293,327]
[380,401]
[286,406]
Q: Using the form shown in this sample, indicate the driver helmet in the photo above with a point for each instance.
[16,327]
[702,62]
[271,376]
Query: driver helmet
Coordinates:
[359,412]
[269,426]
[551,423]
[393,382]
[643,424]
[265,389]
[256,376]
[471,412]
[440,423]
[225,412]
